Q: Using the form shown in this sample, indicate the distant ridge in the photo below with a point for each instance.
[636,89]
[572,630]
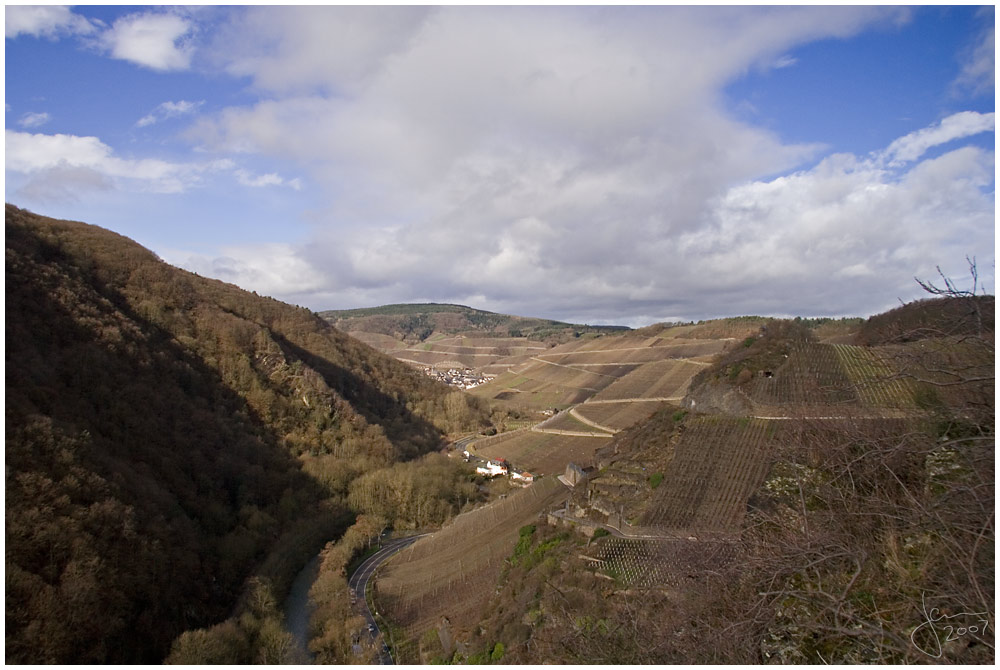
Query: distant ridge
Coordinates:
[406,308]
[415,322]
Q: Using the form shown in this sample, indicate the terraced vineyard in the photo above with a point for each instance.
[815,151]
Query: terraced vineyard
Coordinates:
[544,453]
[638,355]
[877,383]
[657,563]
[565,421]
[615,393]
[440,350]
[662,379]
[812,375]
[717,465]
[529,393]
[453,572]
[617,416]
[612,368]
[542,385]
[628,341]
[439,359]
[586,363]
[384,343]
[737,328]
[834,375]
[563,375]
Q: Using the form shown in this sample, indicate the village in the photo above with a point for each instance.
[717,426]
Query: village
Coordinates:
[460,378]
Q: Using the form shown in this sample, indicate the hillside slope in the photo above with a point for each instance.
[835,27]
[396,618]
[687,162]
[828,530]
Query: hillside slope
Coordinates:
[826,531]
[164,430]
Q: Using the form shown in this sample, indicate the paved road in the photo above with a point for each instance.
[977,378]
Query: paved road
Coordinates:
[617,401]
[358,585]
[593,424]
[463,443]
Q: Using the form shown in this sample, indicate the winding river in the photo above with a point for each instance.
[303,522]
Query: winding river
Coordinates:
[298,609]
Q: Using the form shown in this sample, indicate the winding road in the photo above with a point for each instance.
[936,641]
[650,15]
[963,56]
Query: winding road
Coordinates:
[358,585]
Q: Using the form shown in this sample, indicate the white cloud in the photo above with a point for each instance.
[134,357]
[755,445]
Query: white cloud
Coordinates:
[247,178]
[49,21]
[27,152]
[154,40]
[956,126]
[58,158]
[848,231]
[169,110]
[979,68]
[271,269]
[784,61]
[57,166]
[34,119]
[63,184]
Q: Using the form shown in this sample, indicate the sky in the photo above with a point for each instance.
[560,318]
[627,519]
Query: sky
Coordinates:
[593,164]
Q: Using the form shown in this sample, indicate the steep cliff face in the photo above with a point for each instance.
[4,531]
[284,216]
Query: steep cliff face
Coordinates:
[163,430]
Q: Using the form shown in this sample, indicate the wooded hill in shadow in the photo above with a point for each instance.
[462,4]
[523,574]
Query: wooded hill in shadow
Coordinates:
[164,430]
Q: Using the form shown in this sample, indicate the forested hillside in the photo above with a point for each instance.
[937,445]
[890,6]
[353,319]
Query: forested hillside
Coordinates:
[164,430]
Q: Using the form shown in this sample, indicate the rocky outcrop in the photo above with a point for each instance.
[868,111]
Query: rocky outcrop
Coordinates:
[718,398]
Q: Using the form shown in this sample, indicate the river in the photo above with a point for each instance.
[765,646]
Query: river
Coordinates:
[298,608]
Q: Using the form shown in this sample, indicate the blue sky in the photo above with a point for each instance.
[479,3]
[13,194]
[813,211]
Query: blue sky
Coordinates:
[597,164]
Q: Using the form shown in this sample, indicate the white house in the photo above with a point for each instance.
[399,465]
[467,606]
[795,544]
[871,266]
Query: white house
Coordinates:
[523,476]
[493,468]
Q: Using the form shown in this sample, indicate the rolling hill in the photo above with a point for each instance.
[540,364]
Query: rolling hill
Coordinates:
[418,321]
[455,336]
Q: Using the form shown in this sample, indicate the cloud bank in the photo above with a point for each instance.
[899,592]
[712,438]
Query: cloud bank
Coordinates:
[577,164]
